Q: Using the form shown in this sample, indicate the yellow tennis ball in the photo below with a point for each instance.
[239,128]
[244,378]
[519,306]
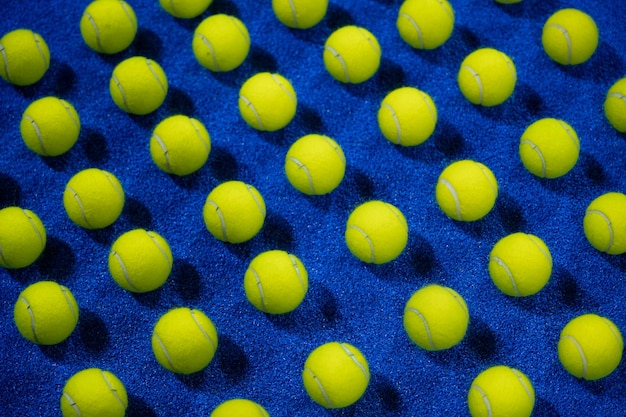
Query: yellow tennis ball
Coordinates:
[140,261]
[520,264]
[180,145]
[108,27]
[93,198]
[549,148]
[22,237]
[50,126]
[501,391]
[184,341]
[570,37]
[234,212]
[185,9]
[93,392]
[267,101]
[605,223]
[466,190]
[407,116]
[436,318]
[352,54]
[24,57]
[615,105]
[138,85]
[336,375]
[300,14]
[221,43]
[315,164]
[590,347]
[239,407]
[376,232]
[487,77]
[46,313]
[276,282]
[425,24]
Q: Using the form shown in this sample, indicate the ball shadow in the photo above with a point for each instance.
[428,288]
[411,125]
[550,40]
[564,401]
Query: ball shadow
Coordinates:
[223,165]
[93,332]
[179,102]
[137,407]
[186,280]
[55,352]
[232,360]
[601,67]
[137,213]
[261,60]
[147,43]
[544,408]
[326,310]
[309,118]
[64,78]
[57,163]
[277,233]
[451,54]
[509,213]
[57,260]
[389,396]
[10,191]
[593,169]
[94,146]
[225,7]
[361,182]
[422,255]
[337,16]
[448,140]
[482,340]
[390,76]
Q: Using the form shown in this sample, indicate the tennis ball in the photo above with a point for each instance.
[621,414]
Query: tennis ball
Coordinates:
[108,27]
[50,126]
[180,145]
[407,116]
[267,101]
[466,190]
[425,24]
[138,85]
[352,54]
[615,105]
[336,375]
[520,264]
[93,392]
[46,313]
[487,77]
[276,282]
[22,237]
[501,391]
[93,198]
[239,407]
[549,148]
[24,57]
[605,223]
[300,14]
[184,341]
[140,261]
[185,9]
[570,37]
[315,164]
[234,212]
[221,43]
[590,347]
[376,232]
[436,318]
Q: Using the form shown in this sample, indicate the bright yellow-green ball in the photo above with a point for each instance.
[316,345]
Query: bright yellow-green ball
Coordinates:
[22,237]
[184,341]
[267,101]
[352,54]
[590,347]
[549,148]
[436,318]
[50,126]
[425,24]
[239,407]
[234,212]
[93,392]
[407,116]
[140,261]
[376,232]
[180,145]
[24,57]
[570,37]
[501,391]
[138,85]
[487,77]
[93,198]
[466,190]
[46,313]
[605,223]
[615,105]
[300,14]
[336,375]
[221,43]
[520,264]
[185,9]
[276,282]
[108,27]
[315,164]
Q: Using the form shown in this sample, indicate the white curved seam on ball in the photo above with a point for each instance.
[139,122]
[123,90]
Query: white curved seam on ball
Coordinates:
[458,300]
[249,104]
[478,81]
[521,380]
[329,403]
[445,9]
[431,109]
[165,151]
[368,38]
[39,235]
[261,410]
[113,390]
[418,31]
[338,56]
[298,272]
[306,172]
[33,123]
[122,92]
[282,86]
[256,200]
[72,404]
[394,116]
[120,192]
[618,96]
[221,217]
[511,66]
[173,6]
[69,112]
[508,273]
[455,196]
[567,40]
[165,352]
[367,238]
[570,134]
[124,270]
[608,225]
[80,205]
[41,53]
[32,318]
[161,248]
[259,286]
[356,361]
[94,26]
[5,60]
[4,260]
[209,45]
[125,7]
[541,249]
[245,35]
[197,129]
[66,294]
[583,358]
[294,13]
[336,149]
[393,211]
[415,311]
[203,330]
[487,174]
[156,76]
[539,154]
[485,399]
[617,335]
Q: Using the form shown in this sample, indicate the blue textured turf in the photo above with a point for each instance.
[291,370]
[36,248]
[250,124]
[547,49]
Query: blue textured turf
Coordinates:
[260,356]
